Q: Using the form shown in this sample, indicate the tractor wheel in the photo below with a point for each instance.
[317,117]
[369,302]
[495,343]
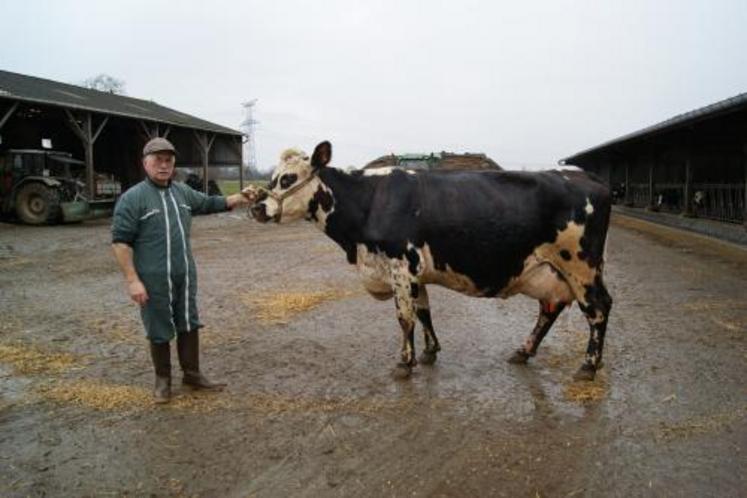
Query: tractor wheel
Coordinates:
[37,204]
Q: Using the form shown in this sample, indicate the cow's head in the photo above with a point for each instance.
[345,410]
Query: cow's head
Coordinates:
[289,194]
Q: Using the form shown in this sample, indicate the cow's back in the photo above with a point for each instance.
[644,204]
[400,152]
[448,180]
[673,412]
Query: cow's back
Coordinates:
[485,224]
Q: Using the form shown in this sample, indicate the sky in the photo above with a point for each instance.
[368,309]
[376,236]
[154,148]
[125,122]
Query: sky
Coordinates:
[527,83]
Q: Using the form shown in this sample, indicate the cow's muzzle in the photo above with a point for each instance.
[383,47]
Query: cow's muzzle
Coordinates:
[259,212]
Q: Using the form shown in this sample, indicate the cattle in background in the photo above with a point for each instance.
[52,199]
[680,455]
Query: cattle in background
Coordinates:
[484,234]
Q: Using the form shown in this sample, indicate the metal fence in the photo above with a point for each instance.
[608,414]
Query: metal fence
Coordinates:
[719,201]
[715,201]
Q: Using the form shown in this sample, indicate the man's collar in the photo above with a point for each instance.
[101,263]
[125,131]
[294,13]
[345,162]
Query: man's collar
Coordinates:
[147,178]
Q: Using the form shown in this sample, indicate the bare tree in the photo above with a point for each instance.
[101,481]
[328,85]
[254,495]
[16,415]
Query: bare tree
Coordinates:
[105,83]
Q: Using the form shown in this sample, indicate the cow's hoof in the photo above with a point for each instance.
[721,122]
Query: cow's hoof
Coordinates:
[402,371]
[427,358]
[586,372]
[520,357]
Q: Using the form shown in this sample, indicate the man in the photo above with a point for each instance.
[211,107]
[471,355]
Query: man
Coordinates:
[150,239]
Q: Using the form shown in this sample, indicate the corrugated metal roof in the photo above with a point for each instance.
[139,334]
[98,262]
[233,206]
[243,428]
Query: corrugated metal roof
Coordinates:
[42,91]
[721,107]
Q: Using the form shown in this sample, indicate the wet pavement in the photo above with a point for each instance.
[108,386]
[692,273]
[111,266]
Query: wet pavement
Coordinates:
[312,409]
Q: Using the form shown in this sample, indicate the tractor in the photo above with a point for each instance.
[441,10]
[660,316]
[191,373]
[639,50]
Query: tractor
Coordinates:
[47,187]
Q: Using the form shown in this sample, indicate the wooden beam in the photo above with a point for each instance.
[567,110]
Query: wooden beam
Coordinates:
[148,131]
[101,127]
[8,114]
[73,123]
[199,136]
[166,131]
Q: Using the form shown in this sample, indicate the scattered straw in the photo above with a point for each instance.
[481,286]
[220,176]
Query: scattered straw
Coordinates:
[584,392]
[731,325]
[27,359]
[700,425]
[281,307]
[98,396]
[715,304]
[106,397]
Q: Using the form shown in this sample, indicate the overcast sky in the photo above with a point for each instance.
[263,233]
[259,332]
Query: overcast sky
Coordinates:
[526,82]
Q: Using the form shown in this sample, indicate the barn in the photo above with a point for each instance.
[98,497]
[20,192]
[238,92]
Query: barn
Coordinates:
[693,165]
[107,131]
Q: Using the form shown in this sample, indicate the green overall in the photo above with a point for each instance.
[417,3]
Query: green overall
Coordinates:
[156,221]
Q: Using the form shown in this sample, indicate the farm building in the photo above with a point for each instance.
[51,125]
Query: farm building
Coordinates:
[438,160]
[106,131]
[694,164]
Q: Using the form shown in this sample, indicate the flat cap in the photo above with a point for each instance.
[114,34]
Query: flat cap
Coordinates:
[158,144]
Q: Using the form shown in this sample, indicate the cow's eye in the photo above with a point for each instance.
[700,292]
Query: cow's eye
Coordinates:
[287,180]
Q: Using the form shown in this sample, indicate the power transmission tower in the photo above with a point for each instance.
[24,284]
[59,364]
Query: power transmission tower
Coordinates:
[247,126]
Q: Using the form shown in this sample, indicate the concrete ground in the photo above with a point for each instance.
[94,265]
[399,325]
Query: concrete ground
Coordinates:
[311,408]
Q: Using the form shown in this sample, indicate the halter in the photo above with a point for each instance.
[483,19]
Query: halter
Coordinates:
[279,198]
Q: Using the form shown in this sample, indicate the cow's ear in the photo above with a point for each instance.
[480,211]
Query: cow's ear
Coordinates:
[322,155]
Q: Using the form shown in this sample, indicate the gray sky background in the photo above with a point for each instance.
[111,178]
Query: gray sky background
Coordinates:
[526,82]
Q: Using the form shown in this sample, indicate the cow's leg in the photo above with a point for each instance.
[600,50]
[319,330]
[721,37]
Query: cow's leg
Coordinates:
[423,312]
[547,315]
[404,290]
[596,308]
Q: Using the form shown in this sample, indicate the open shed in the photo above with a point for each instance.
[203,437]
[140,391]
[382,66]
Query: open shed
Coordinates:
[107,131]
[694,164]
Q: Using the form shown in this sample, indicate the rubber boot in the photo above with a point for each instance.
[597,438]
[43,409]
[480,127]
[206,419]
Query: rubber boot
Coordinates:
[161,356]
[188,346]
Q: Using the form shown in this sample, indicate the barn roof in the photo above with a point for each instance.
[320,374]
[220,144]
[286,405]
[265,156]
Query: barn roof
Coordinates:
[21,87]
[720,108]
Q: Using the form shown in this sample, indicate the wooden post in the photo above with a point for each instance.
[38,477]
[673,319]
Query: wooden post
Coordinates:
[688,208]
[628,201]
[651,165]
[241,163]
[8,114]
[88,137]
[651,204]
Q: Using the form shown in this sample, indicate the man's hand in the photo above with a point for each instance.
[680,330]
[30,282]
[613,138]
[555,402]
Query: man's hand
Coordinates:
[244,198]
[250,193]
[137,292]
[135,287]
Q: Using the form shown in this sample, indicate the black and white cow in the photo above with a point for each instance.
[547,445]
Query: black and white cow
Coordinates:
[484,234]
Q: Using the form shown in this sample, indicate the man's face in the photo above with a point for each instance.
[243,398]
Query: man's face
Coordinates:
[159,167]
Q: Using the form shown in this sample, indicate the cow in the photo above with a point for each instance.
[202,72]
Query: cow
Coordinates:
[481,233]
